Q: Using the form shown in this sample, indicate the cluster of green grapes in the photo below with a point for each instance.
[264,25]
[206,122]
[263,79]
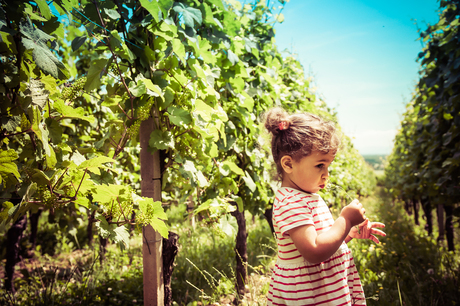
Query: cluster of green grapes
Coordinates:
[113,69]
[122,209]
[47,197]
[73,91]
[133,130]
[143,113]
[143,218]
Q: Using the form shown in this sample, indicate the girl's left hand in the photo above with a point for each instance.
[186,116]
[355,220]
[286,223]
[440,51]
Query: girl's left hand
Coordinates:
[367,230]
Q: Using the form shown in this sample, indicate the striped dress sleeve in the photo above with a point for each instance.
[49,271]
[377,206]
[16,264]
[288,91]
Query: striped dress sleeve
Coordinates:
[290,212]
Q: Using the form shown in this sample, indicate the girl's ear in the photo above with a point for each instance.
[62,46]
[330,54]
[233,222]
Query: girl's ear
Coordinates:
[286,163]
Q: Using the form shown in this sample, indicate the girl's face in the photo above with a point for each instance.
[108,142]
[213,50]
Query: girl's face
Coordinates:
[308,174]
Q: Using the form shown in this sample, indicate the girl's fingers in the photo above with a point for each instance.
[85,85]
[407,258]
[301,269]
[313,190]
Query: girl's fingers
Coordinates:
[375,239]
[377,224]
[378,232]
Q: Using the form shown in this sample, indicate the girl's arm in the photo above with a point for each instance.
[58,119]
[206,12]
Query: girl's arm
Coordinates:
[317,248]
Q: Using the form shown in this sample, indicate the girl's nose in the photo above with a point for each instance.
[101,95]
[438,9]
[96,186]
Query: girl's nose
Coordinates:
[326,173]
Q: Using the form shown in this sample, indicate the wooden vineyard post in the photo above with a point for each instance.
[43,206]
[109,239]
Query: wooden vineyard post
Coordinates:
[152,241]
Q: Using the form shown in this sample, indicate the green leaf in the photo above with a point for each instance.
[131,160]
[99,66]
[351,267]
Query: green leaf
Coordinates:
[36,40]
[161,140]
[232,57]
[152,7]
[157,92]
[7,166]
[154,213]
[77,42]
[96,69]
[190,14]
[44,9]
[40,178]
[73,113]
[448,116]
[103,227]
[202,181]
[120,235]
[42,133]
[165,6]
[4,212]
[232,167]
[113,14]
[179,116]
[108,193]
[159,226]
[249,182]
[179,49]
[82,201]
[138,89]
[227,227]
[95,162]
[208,14]
[20,209]
[8,41]
[31,14]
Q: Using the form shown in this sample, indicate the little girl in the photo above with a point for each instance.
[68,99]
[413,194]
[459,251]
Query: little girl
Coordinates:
[314,265]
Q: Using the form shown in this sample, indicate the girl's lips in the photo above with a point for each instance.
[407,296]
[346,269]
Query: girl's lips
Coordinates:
[322,186]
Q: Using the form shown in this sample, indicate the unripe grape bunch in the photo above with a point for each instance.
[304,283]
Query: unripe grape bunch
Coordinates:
[73,91]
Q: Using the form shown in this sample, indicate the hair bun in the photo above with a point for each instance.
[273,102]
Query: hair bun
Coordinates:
[276,120]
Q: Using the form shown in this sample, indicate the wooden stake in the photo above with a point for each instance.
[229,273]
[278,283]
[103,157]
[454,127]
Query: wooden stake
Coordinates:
[152,241]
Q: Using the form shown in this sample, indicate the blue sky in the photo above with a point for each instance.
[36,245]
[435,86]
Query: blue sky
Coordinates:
[362,55]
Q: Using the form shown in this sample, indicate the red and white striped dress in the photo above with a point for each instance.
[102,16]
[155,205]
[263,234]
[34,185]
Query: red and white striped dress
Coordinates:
[295,281]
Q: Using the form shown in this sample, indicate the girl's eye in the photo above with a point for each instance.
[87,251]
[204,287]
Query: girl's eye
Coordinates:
[321,166]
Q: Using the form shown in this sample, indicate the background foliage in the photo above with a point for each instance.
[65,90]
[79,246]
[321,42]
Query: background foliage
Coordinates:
[79,77]
[425,164]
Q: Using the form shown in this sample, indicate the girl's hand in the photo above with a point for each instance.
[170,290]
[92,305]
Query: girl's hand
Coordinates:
[354,213]
[367,230]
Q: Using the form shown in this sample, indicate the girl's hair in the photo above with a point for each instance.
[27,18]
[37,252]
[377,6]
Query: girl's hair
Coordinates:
[298,135]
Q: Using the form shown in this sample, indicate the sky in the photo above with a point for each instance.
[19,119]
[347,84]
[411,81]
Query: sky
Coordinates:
[362,56]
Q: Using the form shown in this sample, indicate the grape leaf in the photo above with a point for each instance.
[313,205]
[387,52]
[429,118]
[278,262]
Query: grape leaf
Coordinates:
[7,166]
[44,9]
[70,112]
[190,14]
[35,39]
[233,167]
[152,7]
[120,235]
[179,116]
[161,140]
[95,162]
[77,42]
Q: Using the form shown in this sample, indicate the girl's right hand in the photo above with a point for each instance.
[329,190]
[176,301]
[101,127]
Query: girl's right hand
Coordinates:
[354,213]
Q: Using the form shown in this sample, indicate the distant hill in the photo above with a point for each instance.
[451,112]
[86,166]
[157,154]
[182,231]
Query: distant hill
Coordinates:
[376,161]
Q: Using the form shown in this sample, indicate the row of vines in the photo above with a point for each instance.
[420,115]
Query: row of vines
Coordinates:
[79,77]
[424,167]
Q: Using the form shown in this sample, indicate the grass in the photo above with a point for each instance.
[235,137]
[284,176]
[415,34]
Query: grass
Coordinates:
[408,265]
[407,268]
[205,265]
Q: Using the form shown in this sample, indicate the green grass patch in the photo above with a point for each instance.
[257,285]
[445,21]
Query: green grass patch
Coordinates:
[407,263]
